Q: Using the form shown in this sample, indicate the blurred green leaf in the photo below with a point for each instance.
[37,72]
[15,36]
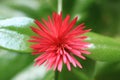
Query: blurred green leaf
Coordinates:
[44,8]
[18,24]
[108,71]
[11,63]
[104,17]
[103,48]
[14,33]
[49,75]
[34,73]
[26,10]
[12,40]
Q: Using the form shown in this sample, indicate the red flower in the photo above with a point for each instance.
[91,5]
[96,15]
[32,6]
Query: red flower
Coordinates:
[58,42]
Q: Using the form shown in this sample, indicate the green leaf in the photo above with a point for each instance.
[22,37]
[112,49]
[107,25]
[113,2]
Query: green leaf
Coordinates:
[11,63]
[103,48]
[15,32]
[18,24]
[34,73]
[108,71]
[49,75]
[14,41]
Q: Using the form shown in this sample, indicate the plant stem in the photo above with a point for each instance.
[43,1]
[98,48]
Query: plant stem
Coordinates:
[56,74]
[59,6]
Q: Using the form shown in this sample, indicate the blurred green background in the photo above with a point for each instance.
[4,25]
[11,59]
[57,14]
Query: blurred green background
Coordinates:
[102,16]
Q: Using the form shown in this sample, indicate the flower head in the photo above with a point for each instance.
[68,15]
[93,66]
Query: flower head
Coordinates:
[58,42]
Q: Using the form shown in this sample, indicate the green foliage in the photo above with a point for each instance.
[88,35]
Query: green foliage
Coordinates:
[107,71]
[102,16]
[86,73]
[14,34]
[18,24]
[103,48]
[12,62]
[49,75]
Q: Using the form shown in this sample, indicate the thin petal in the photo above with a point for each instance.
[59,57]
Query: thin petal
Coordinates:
[60,65]
[64,58]
[70,26]
[68,66]
[71,59]
[56,63]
